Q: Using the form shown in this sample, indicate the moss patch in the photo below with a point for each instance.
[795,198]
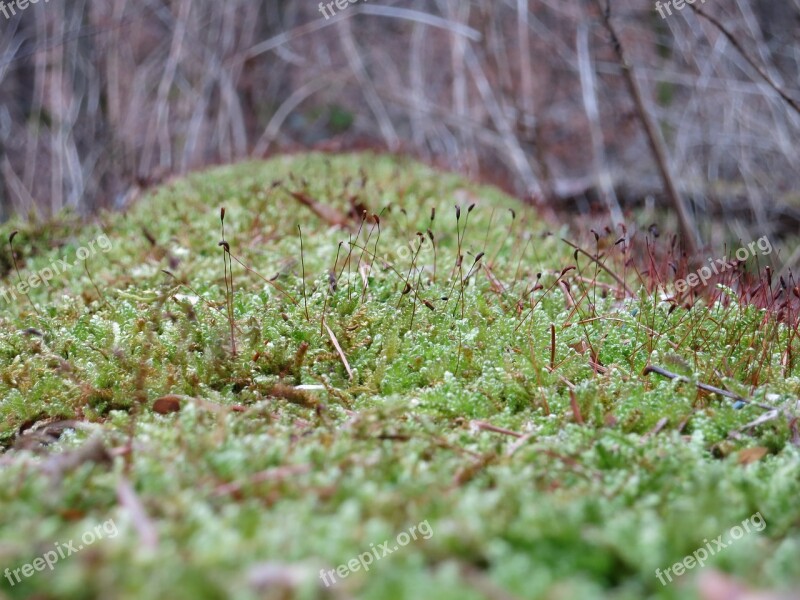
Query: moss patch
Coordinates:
[506,409]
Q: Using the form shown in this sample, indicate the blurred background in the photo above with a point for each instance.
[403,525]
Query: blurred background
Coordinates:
[100,99]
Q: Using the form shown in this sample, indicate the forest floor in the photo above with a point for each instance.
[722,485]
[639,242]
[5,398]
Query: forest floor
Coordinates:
[357,413]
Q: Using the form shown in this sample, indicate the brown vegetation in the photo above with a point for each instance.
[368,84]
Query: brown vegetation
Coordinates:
[100,100]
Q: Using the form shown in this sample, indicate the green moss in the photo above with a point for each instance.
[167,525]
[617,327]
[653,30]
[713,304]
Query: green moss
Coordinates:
[253,474]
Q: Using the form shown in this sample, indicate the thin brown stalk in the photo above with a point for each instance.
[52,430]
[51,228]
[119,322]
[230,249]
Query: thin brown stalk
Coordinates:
[750,60]
[688,230]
